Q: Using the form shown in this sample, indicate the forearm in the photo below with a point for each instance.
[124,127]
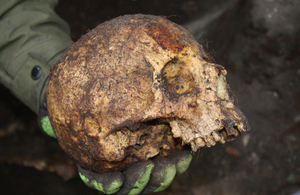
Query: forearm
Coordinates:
[32,35]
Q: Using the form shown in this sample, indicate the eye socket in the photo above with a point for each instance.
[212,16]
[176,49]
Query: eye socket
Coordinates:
[178,77]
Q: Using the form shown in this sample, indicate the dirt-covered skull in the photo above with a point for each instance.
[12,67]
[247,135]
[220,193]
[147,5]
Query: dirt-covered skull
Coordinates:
[138,87]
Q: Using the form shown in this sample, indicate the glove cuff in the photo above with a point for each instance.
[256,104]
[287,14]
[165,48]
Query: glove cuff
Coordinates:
[45,124]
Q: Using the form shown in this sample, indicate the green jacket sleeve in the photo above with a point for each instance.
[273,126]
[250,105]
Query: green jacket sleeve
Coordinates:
[32,38]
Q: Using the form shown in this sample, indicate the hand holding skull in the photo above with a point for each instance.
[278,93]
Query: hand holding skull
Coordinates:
[136,88]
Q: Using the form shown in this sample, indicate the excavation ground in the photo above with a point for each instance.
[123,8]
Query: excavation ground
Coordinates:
[258,44]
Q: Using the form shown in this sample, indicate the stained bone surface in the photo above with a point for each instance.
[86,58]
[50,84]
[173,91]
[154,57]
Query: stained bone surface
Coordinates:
[137,87]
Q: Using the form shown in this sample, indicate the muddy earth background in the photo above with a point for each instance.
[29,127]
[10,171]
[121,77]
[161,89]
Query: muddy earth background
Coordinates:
[258,42]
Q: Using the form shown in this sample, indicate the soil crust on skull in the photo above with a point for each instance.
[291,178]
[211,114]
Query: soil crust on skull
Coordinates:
[130,70]
[260,53]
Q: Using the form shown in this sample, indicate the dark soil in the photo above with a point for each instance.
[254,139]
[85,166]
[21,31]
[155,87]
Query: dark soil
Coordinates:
[257,41]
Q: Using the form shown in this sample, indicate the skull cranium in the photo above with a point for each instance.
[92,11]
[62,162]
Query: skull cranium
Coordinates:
[137,87]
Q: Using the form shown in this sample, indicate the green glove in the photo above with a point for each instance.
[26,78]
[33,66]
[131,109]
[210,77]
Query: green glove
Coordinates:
[137,177]
[140,178]
[45,124]
[166,169]
[107,183]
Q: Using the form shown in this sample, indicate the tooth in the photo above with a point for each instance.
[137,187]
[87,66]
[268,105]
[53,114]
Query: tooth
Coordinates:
[193,146]
[236,133]
[216,136]
[209,141]
[241,127]
[222,140]
[233,131]
[199,142]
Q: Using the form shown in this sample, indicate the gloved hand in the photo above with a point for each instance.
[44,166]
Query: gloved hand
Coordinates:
[140,178]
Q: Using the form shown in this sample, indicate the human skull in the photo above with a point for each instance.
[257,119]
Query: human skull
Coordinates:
[137,87]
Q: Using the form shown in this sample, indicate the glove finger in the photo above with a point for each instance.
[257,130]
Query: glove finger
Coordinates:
[108,183]
[45,124]
[182,160]
[136,178]
[162,175]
